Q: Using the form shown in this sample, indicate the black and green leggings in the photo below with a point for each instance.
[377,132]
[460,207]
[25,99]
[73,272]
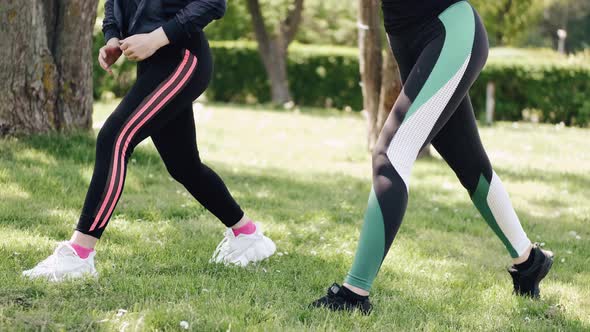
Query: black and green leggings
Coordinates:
[439,61]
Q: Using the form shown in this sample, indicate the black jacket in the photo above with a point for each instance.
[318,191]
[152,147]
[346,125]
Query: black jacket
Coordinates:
[180,19]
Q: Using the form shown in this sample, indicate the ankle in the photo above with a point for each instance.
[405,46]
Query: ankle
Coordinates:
[83,240]
[356,290]
[81,251]
[524,257]
[523,266]
[246,228]
[242,222]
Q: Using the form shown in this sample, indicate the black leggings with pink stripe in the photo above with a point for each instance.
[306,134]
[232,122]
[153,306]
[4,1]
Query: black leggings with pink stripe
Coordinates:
[159,105]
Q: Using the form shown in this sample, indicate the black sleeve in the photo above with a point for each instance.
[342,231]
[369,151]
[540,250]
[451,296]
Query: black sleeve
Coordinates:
[109,24]
[193,18]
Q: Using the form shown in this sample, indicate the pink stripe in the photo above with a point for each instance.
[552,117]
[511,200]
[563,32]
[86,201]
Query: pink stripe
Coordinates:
[139,125]
[122,134]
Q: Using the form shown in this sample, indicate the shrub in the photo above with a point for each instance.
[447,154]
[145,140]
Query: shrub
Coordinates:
[553,85]
[318,76]
[543,80]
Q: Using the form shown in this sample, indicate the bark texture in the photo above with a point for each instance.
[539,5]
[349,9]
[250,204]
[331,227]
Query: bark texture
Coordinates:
[46,65]
[391,86]
[273,46]
[381,83]
[371,64]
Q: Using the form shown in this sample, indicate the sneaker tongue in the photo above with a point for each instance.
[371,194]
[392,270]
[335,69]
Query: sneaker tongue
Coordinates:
[66,250]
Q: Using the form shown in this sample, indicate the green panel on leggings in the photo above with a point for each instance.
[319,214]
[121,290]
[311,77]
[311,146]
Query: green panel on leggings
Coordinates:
[459,24]
[480,199]
[371,249]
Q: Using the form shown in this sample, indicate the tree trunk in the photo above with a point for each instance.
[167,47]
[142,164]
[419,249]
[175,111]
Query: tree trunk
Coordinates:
[46,65]
[371,63]
[381,81]
[273,49]
[275,63]
[391,86]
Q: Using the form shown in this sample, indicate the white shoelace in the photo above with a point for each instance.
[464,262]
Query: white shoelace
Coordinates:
[223,248]
[56,255]
[51,263]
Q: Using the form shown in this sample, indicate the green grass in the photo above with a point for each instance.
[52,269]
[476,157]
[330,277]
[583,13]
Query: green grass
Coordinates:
[307,177]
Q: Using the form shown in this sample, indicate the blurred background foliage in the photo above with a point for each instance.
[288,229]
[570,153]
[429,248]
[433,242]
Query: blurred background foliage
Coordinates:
[522,23]
[532,79]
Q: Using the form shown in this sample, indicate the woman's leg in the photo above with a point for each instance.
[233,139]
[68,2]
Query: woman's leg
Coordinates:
[177,145]
[153,101]
[458,142]
[170,78]
[435,87]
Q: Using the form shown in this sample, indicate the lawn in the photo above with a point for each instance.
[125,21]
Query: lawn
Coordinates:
[306,176]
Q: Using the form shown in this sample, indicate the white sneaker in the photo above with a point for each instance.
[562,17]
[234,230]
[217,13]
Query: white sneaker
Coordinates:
[243,249]
[63,264]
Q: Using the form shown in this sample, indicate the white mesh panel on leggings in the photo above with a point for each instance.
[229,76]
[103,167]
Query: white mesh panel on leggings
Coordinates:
[505,216]
[411,135]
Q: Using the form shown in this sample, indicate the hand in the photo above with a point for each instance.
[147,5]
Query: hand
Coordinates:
[142,46]
[109,54]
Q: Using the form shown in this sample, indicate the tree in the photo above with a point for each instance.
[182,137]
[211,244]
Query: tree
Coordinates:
[508,21]
[273,46]
[381,83]
[371,64]
[46,65]
[571,15]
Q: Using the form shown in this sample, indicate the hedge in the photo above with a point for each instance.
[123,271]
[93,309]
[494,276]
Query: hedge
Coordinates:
[318,76]
[540,81]
[552,86]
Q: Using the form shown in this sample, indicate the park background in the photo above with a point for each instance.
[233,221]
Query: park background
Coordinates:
[282,122]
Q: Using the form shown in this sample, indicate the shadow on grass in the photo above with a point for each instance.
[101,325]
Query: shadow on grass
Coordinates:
[273,194]
[310,111]
[276,195]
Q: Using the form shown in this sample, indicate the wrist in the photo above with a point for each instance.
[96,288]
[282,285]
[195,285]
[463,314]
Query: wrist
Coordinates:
[160,37]
[114,42]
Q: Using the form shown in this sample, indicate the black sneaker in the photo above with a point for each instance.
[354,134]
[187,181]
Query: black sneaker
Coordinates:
[341,298]
[526,282]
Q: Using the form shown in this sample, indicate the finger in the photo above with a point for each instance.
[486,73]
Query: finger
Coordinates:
[124,45]
[102,53]
[126,42]
[102,63]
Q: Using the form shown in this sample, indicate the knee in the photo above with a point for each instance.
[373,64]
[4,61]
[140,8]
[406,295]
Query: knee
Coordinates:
[470,177]
[380,160]
[106,138]
[185,173]
[390,130]
[109,136]
[178,174]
